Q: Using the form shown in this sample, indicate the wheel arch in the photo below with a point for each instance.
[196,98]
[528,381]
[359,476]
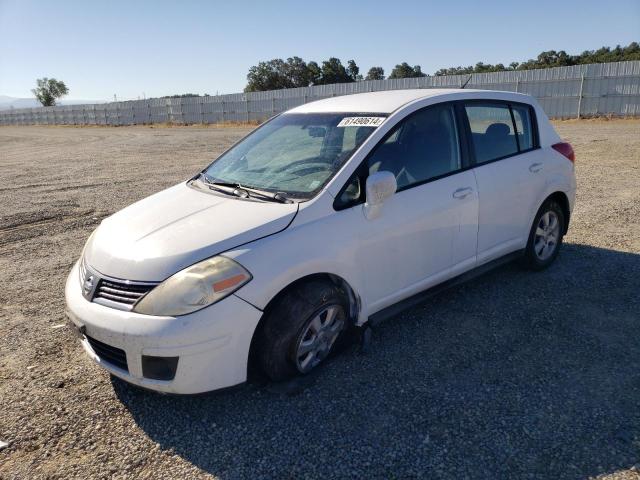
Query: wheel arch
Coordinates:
[562,200]
[350,294]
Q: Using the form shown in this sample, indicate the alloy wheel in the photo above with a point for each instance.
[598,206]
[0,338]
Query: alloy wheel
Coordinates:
[547,235]
[318,337]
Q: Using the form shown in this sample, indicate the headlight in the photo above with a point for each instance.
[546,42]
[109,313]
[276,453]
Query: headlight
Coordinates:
[194,288]
[84,248]
[81,264]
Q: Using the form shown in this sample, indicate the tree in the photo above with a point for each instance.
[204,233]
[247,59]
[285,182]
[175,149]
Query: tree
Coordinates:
[375,73]
[297,71]
[269,75]
[49,90]
[454,71]
[315,73]
[404,70]
[353,71]
[553,58]
[334,72]
[417,71]
[183,95]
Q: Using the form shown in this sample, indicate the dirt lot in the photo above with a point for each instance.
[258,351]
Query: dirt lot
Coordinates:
[514,375]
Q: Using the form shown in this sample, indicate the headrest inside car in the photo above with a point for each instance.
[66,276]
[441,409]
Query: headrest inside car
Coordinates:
[498,130]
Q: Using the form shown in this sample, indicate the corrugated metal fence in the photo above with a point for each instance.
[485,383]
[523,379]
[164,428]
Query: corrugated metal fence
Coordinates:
[564,92]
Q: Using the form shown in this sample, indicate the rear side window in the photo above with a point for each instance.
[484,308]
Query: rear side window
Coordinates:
[522,117]
[492,131]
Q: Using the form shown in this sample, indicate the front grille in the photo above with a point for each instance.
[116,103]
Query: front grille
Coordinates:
[121,292]
[109,354]
[111,292]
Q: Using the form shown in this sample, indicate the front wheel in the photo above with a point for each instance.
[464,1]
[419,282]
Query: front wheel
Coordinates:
[545,237]
[302,329]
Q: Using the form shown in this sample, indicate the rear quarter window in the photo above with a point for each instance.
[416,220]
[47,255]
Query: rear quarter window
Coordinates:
[524,128]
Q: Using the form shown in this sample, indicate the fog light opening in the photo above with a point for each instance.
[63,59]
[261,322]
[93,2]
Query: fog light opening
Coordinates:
[159,368]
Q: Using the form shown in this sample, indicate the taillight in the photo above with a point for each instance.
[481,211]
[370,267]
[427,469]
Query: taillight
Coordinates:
[565,149]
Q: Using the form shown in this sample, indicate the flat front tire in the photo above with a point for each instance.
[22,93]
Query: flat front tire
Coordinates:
[302,329]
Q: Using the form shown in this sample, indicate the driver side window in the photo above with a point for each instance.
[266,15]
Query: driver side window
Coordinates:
[421,147]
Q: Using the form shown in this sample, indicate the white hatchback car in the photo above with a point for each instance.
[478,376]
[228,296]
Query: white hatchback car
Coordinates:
[324,219]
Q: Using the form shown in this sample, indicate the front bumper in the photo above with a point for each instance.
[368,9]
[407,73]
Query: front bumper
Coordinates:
[212,344]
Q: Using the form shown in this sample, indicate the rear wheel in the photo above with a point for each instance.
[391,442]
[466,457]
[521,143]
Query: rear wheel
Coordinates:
[302,329]
[545,237]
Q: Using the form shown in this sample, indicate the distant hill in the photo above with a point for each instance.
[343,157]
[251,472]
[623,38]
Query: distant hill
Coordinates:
[7,103]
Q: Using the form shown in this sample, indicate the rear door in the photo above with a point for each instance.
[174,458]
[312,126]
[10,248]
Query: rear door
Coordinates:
[508,170]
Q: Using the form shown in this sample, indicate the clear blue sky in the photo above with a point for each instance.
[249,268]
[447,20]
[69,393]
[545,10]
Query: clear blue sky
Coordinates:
[129,47]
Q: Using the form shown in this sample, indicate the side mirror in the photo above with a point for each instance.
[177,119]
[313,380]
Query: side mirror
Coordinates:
[380,187]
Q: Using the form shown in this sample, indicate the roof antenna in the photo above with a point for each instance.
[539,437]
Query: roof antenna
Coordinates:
[465,83]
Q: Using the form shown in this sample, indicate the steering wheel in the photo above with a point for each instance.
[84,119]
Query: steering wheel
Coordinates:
[409,178]
[308,160]
[297,167]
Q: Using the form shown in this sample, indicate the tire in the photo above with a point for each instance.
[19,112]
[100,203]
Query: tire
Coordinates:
[545,236]
[294,320]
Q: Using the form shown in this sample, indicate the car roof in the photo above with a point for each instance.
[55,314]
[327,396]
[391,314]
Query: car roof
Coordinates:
[388,101]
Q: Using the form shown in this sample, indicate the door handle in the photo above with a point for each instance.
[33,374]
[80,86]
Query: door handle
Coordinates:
[535,167]
[462,193]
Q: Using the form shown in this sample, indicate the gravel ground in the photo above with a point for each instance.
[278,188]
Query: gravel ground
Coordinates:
[514,375]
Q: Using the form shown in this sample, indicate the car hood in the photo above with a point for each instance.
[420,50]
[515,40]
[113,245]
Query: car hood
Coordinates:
[166,232]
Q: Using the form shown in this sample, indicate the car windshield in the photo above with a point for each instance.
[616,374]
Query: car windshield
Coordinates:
[295,154]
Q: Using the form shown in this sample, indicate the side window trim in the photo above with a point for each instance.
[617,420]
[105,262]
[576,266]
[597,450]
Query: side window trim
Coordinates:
[534,126]
[466,126]
[361,170]
[514,125]
[464,135]
[509,104]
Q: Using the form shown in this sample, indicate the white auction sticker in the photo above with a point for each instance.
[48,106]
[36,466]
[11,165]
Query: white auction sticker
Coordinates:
[361,121]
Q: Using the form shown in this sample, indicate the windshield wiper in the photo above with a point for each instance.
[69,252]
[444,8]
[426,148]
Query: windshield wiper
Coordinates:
[216,185]
[245,192]
[277,196]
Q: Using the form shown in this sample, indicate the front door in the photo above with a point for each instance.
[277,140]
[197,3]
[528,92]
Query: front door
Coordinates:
[427,231]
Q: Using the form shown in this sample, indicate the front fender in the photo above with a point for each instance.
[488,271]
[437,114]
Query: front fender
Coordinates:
[279,260]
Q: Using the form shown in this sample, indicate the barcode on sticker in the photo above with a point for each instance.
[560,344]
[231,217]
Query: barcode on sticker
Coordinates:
[361,121]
